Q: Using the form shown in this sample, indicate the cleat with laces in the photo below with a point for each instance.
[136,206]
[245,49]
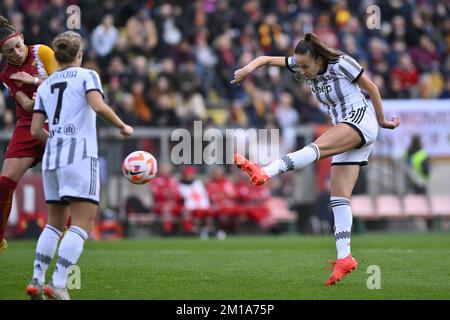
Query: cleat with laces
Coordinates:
[35,290]
[3,245]
[342,267]
[55,293]
[256,173]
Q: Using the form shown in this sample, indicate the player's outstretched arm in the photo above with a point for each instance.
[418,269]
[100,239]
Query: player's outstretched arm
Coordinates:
[365,83]
[241,74]
[95,100]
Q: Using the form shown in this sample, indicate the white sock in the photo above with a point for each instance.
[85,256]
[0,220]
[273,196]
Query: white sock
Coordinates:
[342,225]
[294,160]
[69,251]
[45,250]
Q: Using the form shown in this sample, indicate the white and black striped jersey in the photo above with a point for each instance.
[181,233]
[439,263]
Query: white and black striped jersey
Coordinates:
[336,88]
[72,121]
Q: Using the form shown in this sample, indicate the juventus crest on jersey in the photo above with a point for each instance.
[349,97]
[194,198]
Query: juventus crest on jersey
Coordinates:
[72,122]
[336,88]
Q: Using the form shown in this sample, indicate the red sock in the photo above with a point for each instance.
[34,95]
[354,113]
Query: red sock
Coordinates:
[7,187]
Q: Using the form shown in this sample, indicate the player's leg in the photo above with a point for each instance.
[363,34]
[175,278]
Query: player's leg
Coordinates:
[13,169]
[78,184]
[46,247]
[50,236]
[343,179]
[338,139]
[83,216]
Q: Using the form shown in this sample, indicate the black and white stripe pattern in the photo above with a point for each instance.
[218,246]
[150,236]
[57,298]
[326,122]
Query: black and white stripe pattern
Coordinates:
[59,143]
[316,150]
[339,93]
[357,115]
[342,235]
[77,232]
[64,262]
[339,202]
[350,68]
[73,144]
[42,258]
[93,184]
[335,89]
[49,227]
[74,137]
[288,163]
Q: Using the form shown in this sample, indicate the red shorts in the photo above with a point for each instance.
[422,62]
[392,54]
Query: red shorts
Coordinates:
[23,144]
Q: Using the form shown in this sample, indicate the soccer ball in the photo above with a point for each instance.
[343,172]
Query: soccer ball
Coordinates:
[139,167]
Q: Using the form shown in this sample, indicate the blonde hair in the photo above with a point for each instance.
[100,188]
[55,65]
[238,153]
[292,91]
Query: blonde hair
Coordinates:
[66,46]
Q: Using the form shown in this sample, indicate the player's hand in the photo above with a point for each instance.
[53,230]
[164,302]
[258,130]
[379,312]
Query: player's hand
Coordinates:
[240,75]
[126,131]
[394,123]
[23,77]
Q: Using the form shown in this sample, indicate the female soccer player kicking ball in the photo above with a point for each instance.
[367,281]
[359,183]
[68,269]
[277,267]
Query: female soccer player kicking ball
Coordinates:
[335,79]
[69,99]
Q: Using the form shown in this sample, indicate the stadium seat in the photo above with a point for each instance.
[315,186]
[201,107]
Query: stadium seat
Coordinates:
[416,205]
[279,210]
[142,218]
[440,205]
[363,207]
[389,206]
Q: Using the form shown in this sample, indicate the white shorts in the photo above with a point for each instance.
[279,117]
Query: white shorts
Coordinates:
[364,121]
[78,181]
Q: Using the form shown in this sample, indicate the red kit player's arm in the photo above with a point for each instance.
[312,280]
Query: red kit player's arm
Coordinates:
[24,101]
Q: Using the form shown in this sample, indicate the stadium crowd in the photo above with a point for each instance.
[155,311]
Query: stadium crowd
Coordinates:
[166,63]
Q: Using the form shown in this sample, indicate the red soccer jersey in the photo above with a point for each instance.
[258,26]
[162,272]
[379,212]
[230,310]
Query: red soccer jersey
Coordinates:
[165,189]
[39,63]
[221,191]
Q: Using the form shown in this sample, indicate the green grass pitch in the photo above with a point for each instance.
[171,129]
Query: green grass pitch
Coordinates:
[413,266]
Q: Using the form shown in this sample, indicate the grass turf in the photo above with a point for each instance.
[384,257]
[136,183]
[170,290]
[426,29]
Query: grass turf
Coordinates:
[413,266]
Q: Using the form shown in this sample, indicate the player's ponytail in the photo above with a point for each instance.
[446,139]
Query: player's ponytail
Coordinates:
[66,46]
[6,30]
[316,48]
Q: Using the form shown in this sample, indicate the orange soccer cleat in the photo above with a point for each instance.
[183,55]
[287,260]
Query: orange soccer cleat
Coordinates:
[341,268]
[256,173]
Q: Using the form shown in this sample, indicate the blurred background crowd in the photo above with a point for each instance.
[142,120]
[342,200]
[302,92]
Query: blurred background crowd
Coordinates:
[166,63]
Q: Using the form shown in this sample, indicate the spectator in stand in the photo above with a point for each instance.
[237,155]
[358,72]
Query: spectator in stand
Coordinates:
[217,37]
[168,201]
[407,74]
[197,215]
[424,54]
[287,118]
[252,202]
[222,195]
[104,38]
[446,91]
